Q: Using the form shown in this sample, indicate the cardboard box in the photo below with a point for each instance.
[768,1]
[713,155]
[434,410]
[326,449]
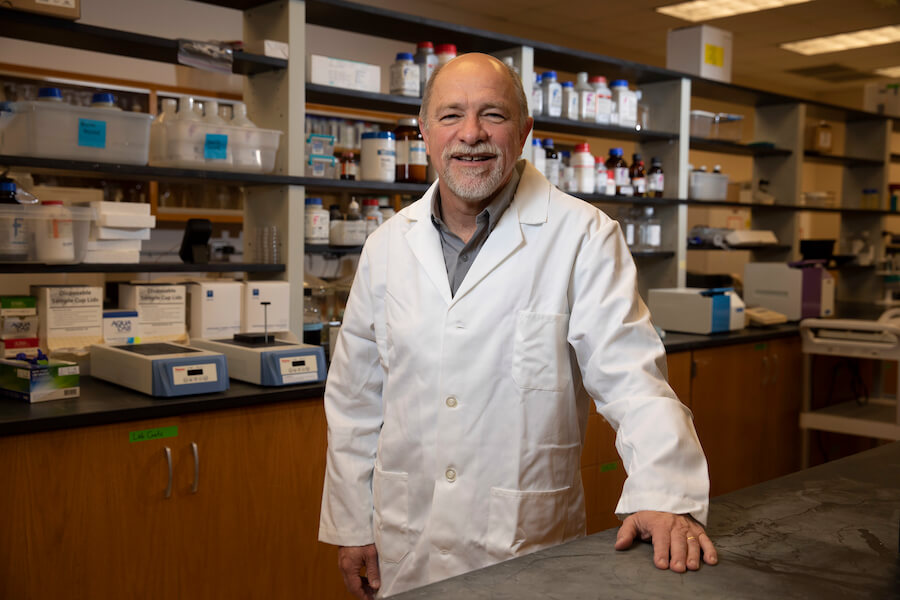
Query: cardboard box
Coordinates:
[70,316]
[65,9]
[18,306]
[18,327]
[267,48]
[121,327]
[214,309]
[13,347]
[51,380]
[67,195]
[349,74]
[700,50]
[160,307]
[277,294]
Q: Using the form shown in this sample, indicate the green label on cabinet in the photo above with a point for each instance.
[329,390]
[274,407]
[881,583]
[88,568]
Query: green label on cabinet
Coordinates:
[610,466]
[153,434]
[760,346]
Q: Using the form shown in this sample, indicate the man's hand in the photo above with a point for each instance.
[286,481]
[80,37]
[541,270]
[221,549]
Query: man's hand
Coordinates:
[351,560]
[677,536]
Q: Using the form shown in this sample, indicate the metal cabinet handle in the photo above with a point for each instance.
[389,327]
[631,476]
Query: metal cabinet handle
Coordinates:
[196,452]
[775,369]
[168,452]
[765,366]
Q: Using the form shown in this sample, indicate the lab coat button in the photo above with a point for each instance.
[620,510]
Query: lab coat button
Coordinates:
[445,551]
[464,257]
[450,474]
[451,401]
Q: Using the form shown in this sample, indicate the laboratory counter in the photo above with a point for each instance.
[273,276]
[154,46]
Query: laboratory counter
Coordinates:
[826,532]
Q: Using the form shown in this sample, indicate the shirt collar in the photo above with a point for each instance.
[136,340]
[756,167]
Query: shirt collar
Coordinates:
[492,211]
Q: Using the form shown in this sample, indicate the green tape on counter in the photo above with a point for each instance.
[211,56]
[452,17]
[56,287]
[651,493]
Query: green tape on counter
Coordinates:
[611,466]
[153,434]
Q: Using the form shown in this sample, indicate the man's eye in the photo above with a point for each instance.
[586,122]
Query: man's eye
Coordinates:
[496,116]
[449,117]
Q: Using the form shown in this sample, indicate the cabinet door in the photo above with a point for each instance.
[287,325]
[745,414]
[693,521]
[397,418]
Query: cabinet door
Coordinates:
[87,516]
[726,399]
[679,367]
[250,529]
[781,401]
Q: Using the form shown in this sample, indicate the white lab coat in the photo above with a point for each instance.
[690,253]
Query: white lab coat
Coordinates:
[455,424]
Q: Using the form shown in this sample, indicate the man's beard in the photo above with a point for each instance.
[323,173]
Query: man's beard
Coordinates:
[478,185]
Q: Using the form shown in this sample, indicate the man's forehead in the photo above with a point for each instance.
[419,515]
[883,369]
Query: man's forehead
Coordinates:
[468,91]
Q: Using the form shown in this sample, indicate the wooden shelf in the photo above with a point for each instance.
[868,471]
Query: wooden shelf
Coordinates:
[726,147]
[181,215]
[601,199]
[373,187]
[142,268]
[61,32]
[846,161]
[331,250]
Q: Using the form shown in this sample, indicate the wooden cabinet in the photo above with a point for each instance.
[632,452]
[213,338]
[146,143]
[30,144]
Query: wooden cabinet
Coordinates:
[86,515]
[746,402]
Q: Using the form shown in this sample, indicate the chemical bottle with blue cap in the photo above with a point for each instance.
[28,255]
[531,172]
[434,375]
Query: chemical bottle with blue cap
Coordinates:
[552,95]
[570,101]
[317,222]
[13,232]
[104,100]
[619,168]
[624,104]
[405,76]
[587,106]
[551,162]
[537,97]
[49,94]
[538,156]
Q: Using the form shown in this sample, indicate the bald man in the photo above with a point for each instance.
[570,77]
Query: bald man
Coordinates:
[482,321]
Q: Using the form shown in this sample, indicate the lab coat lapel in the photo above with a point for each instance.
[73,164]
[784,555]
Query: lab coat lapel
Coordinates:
[529,206]
[425,243]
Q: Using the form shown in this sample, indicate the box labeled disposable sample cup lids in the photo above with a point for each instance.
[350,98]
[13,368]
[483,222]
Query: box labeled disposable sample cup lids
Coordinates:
[214,308]
[349,74]
[37,381]
[160,308]
[70,316]
[700,50]
[277,294]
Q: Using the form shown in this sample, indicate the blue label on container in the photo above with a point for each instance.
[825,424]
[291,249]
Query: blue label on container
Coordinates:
[91,133]
[215,147]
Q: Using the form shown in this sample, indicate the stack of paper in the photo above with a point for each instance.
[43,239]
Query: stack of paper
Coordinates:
[117,233]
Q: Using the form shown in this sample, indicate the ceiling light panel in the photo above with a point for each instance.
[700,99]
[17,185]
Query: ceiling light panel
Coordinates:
[707,10]
[892,72]
[846,41]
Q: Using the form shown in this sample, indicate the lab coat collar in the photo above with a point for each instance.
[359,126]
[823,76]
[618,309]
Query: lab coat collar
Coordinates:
[530,206]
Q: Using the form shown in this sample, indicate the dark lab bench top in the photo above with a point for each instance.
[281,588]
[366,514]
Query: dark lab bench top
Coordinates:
[683,342]
[827,532]
[102,403]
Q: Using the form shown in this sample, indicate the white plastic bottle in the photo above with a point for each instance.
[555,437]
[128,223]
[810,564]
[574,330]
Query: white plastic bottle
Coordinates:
[625,102]
[370,209]
[317,225]
[211,113]
[427,61]
[183,137]
[538,156]
[405,76]
[104,100]
[49,94]
[587,106]
[603,100]
[445,53]
[552,93]
[239,116]
[585,172]
[537,97]
[605,183]
[570,101]
[552,162]
[158,131]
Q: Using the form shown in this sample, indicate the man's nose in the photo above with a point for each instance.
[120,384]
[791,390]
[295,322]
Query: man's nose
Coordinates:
[472,131]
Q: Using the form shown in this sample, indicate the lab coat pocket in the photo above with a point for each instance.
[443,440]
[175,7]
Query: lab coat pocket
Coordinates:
[520,522]
[390,493]
[540,355]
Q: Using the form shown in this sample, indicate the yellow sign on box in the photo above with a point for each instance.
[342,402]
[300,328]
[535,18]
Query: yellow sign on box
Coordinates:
[713,55]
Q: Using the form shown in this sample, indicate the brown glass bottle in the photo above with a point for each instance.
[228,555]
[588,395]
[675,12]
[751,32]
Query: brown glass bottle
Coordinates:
[655,179]
[619,168]
[412,160]
[636,173]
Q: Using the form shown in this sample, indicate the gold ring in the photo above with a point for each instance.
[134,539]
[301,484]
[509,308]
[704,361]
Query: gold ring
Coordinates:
[690,537]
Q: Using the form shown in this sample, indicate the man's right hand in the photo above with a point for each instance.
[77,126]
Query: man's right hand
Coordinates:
[351,560]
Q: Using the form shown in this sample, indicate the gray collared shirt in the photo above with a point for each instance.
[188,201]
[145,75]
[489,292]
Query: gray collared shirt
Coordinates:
[459,255]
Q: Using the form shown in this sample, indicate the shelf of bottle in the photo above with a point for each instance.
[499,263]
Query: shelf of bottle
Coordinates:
[601,199]
[759,248]
[726,147]
[346,98]
[62,32]
[143,268]
[846,161]
[786,207]
[652,254]
[586,128]
[172,214]
[353,186]
[329,250]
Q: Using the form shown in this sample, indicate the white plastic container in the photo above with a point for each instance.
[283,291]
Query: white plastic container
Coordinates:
[56,130]
[317,222]
[538,156]
[427,61]
[707,186]
[702,123]
[158,129]
[570,101]
[318,165]
[445,53]
[625,101]
[370,209]
[552,95]
[378,159]
[195,144]
[603,100]
[587,98]
[585,172]
[537,96]
[56,234]
[405,76]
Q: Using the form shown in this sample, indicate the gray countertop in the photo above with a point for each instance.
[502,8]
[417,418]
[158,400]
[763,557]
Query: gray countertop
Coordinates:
[827,532]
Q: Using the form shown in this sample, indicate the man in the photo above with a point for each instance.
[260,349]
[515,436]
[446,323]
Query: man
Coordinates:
[482,320]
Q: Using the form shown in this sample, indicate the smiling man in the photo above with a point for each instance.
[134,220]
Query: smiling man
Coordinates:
[482,321]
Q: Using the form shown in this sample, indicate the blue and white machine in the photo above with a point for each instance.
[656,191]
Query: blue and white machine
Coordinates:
[161,369]
[696,310]
[264,360]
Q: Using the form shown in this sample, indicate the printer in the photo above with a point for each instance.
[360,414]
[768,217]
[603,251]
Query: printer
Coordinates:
[696,310]
[798,290]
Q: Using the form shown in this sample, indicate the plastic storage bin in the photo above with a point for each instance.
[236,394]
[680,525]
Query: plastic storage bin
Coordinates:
[53,234]
[707,186]
[51,130]
[701,123]
[717,126]
[320,166]
[201,145]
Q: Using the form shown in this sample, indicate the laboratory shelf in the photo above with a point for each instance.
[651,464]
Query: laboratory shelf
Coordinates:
[846,161]
[758,248]
[642,254]
[756,206]
[352,186]
[346,98]
[560,125]
[726,147]
[62,32]
[158,267]
[644,200]
[329,250]
[875,418]
[101,170]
